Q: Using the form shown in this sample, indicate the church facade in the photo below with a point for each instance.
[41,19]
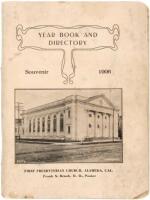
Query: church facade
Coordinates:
[73,118]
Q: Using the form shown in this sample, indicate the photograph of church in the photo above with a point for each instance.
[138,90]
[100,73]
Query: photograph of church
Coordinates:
[79,117]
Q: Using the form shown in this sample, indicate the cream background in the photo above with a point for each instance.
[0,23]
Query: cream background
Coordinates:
[129,71]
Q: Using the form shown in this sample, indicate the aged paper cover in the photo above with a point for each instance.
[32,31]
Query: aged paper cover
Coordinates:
[75,100]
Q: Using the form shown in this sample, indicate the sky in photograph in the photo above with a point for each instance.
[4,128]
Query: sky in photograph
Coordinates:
[34,98]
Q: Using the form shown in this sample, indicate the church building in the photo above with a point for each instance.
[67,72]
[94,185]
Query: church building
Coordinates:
[73,118]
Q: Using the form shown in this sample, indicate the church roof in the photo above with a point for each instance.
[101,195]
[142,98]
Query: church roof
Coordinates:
[70,99]
[101,96]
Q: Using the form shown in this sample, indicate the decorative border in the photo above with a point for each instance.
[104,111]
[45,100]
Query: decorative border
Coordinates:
[68,78]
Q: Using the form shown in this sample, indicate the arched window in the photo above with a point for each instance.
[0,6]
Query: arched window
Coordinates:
[38,125]
[61,122]
[33,125]
[54,123]
[90,125]
[69,129]
[43,124]
[48,124]
[29,126]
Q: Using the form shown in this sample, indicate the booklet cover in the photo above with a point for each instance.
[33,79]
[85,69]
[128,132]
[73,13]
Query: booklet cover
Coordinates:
[75,100]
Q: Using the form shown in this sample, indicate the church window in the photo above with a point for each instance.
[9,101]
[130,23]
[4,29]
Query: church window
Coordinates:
[90,125]
[43,124]
[98,116]
[34,125]
[30,126]
[69,129]
[98,126]
[90,115]
[61,122]
[48,124]
[38,125]
[54,123]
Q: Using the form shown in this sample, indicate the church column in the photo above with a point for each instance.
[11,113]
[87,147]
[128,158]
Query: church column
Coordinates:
[73,121]
[46,124]
[87,125]
[97,120]
[58,124]
[31,127]
[109,125]
[37,125]
[40,134]
[115,124]
[51,125]
[113,127]
[94,123]
[102,125]
[64,123]
[41,127]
